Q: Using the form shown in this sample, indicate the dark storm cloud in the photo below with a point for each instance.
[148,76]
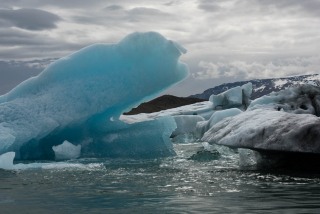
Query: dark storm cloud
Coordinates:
[29,19]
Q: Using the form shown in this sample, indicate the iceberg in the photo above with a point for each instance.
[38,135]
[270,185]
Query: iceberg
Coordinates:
[82,96]
[268,130]
[278,129]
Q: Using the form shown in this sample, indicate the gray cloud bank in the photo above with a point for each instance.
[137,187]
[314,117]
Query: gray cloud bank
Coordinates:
[227,40]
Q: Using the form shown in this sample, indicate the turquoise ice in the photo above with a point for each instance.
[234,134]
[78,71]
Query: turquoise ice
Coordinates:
[79,98]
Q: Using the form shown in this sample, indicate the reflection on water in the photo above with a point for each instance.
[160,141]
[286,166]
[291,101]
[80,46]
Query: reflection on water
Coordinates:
[170,185]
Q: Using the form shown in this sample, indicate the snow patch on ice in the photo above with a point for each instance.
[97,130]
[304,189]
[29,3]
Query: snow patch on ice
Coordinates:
[279,83]
[66,151]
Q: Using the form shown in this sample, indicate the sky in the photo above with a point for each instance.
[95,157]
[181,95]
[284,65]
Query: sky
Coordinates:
[227,40]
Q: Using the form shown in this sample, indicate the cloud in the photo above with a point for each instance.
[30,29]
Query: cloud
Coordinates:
[52,3]
[253,70]
[29,19]
[209,6]
[226,40]
[17,71]
[113,7]
[311,7]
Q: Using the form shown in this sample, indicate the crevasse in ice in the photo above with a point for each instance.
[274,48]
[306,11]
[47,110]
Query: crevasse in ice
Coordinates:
[79,98]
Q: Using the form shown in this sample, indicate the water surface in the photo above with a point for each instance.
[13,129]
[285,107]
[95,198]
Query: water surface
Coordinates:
[187,183]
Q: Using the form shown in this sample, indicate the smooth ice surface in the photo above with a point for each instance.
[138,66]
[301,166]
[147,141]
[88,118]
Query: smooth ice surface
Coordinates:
[234,97]
[303,99]
[66,151]
[216,117]
[271,130]
[81,95]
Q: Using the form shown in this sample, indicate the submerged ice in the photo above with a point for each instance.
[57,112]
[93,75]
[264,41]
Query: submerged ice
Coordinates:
[79,98]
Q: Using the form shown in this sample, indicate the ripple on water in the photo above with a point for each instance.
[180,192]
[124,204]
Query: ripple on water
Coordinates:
[167,185]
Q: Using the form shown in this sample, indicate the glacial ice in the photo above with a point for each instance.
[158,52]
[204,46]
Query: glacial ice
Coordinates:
[66,151]
[268,130]
[237,97]
[274,131]
[79,98]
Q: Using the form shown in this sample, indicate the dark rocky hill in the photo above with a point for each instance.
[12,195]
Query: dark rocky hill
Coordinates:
[162,103]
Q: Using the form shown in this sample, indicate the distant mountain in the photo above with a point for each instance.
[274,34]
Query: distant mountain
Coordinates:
[260,87]
[263,86]
[162,103]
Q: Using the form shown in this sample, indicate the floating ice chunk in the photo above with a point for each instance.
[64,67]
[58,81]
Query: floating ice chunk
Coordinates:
[6,160]
[66,151]
[263,129]
[186,124]
[233,98]
[216,117]
[76,96]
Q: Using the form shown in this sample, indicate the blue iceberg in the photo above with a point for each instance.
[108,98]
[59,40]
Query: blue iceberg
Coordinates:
[79,98]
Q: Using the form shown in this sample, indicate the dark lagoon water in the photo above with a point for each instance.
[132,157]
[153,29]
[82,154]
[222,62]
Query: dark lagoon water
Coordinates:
[195,181]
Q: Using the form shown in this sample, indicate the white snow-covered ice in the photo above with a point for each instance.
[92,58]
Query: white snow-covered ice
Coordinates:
[66,151]
[216,117]
[263,129]
[203,109]
[303,99]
